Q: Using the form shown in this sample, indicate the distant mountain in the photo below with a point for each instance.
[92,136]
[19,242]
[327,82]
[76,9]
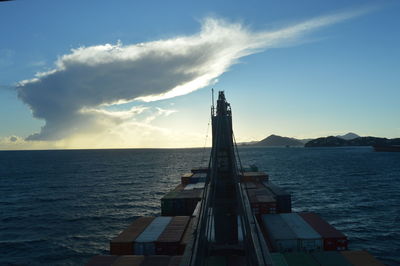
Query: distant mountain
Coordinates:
[249,143]
[275,140]
[332,141]
[304,141]
[348,136]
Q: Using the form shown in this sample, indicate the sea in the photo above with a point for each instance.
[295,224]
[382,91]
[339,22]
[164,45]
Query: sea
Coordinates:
[61,207]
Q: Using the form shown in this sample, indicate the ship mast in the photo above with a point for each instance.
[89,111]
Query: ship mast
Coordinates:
[224,203]
[223,164]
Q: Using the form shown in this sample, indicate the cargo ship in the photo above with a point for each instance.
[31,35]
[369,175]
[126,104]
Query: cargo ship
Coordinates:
[227,214]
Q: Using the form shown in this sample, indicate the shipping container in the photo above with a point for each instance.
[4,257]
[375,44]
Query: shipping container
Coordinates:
[250,168]
[308,238]
[198,177]
[185,178]
[330,258]
[156,260]
[145,242]
[102,260]
[123,244]
[168,243]
[199,170]
[180,202]
[278,259]
[262,201]
[283,198]
[251,185]
[188,234]
[299,259]
[361,258]
[279,234]
[199,185]
[333,239]
[253,177]
[129,260]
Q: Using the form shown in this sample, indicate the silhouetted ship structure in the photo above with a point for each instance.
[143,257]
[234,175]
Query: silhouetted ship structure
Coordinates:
[387,148]
[225,214]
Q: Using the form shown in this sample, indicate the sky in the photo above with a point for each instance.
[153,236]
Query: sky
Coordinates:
[138,74]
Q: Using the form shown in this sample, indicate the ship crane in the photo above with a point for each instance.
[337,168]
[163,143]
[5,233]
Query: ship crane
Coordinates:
[225,225]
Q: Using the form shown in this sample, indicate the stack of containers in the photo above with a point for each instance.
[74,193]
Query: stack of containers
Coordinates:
[308,238]
[333,239]
[253,177]
[283,198]
[180,202]
[145,242]
[262,201]
[185,178]
[199,170]
[168,243]
[187,236]
[279,235]
[199,185]
[198,178]
[123,244]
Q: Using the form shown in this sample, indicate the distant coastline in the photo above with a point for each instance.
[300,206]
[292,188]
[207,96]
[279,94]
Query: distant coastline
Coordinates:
[349,139]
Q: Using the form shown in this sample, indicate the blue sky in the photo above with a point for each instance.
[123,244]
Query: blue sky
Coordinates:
[330,79]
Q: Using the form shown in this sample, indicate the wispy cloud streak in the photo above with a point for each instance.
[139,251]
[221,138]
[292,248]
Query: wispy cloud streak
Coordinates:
[71,97]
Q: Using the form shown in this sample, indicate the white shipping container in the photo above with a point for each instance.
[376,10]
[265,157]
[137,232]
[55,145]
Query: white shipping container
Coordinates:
[309,239]
[144,243]
[281,237]
[191,186]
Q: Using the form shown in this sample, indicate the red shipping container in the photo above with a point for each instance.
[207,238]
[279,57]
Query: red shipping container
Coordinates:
[333,238]
[187,235]
[168,243]
[123,244]
[261,201]
[185,178]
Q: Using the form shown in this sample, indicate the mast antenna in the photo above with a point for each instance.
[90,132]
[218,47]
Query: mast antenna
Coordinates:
[212,99]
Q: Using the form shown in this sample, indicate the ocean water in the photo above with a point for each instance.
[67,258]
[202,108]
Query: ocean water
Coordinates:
[63,207]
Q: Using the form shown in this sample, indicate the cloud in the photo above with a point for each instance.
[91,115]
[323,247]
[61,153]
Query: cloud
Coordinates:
[73,97]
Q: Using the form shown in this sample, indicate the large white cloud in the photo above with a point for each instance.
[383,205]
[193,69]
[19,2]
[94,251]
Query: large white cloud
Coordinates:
[70,97]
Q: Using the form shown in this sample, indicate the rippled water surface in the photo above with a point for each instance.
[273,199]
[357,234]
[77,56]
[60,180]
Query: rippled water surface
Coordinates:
[62,207]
